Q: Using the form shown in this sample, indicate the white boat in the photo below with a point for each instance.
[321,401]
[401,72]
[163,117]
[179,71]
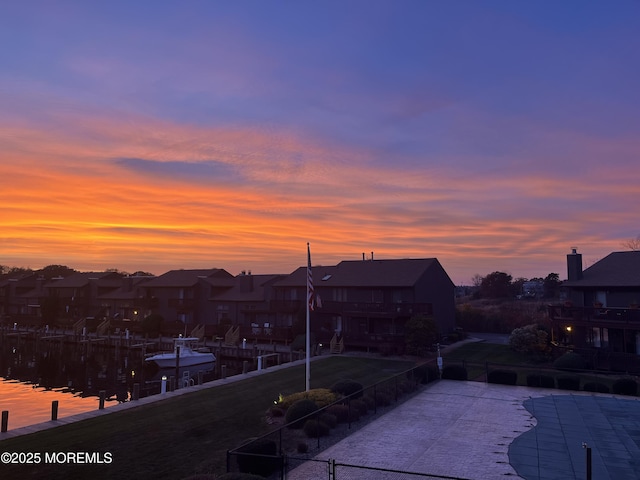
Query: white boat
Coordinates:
[188,356]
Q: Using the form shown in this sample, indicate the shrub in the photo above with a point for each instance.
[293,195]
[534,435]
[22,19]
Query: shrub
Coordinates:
[454,372]
[341,412]
[544,381]
[595,387]
[359,406]
[425,374]
[503,377]
[406,386]
[320,396]
[383,399]
[625,386]
[344,413]
[276,412]
[328,419]
[253,460]
[420,333]
[529,339]
[570,361]
[314,428]
[569,383]
[299,410]
[370,401]
[347,388]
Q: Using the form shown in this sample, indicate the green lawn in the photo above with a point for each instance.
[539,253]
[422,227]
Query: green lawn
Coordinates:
[185,435]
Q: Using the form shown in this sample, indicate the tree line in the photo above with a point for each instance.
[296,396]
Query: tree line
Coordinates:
[502,285]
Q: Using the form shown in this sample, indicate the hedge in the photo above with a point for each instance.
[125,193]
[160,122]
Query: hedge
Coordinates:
[595,387]
[251,459]
[347,388]
[454,372]
[503,377]
[315,428]
[299,410]
[570,361]
[625,386]
[569,383]
[544,381]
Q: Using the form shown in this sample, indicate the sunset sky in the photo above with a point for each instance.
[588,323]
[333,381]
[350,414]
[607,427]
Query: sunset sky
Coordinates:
[493,135]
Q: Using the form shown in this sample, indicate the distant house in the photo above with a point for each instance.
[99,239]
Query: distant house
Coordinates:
[130,301]
[247,304]
[600,314]
[367,303]
[183,295]
[79,293]
[20,296]
[533,289]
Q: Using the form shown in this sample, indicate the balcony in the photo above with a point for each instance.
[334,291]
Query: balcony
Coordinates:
[286,305]
[182,303]
[596,316]
[382,309]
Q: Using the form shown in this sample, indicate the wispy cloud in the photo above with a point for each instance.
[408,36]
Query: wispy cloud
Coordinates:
[244,136]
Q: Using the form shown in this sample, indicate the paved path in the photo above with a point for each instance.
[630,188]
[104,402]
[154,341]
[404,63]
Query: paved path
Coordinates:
[479,431]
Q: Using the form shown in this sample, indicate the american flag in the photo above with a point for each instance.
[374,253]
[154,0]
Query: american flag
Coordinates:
[310,300]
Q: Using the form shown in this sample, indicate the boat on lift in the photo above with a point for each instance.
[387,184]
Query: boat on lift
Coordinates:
[189,354]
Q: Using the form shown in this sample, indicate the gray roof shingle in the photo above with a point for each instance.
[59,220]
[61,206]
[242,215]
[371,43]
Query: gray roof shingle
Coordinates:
[618,269]
[364,273]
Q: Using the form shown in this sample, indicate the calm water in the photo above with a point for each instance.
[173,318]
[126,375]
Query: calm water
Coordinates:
[34,373]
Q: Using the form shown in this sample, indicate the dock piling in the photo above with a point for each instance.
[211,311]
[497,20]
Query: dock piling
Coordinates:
[5,421]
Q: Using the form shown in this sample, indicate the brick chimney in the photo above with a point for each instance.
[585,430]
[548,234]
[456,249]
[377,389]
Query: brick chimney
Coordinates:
[246,282]
[574,265]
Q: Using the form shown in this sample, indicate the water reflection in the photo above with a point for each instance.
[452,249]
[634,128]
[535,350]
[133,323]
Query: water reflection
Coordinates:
[36,372]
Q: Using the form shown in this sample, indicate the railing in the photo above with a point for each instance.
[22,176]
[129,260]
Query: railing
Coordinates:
[198,332]
[601,315]
[337,346]
[104,326]
[267,333]
[79,325]
[232,337]
[375,399]
[403,309]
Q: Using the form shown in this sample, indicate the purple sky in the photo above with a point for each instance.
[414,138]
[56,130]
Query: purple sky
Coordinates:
[493,135]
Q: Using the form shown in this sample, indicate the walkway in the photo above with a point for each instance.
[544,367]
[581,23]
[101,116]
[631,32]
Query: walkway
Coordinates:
[479,431]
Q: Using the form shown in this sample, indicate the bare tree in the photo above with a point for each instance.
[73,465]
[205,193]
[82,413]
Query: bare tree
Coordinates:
[632,244]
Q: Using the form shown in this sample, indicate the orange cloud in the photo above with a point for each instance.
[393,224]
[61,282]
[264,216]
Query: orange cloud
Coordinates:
[249,199]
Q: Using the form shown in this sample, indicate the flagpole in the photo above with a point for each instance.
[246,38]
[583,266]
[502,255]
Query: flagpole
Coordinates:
[308,341]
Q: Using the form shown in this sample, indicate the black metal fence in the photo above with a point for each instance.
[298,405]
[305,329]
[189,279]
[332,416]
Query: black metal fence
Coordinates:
[284,449]
[332,470]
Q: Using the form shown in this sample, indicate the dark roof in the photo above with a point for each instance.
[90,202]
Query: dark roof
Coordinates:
[186,278]
[365,273]
[128,289]
[80,279]
[256,294]
[618,269]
